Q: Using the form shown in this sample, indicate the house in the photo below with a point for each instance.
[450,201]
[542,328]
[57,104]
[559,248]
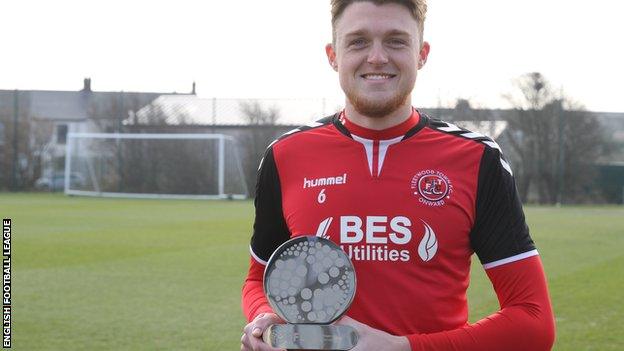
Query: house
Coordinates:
[44,117]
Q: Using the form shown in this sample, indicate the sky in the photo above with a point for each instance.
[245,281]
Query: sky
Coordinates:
[275,48]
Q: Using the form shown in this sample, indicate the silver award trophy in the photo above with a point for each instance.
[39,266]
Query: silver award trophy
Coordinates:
[310,282]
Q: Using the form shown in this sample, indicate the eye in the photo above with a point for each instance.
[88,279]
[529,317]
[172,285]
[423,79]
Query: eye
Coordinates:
[357,43]
[397,42]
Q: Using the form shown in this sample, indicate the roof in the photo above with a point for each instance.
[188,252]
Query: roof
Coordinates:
[492,129]
[190,109]
[67,105]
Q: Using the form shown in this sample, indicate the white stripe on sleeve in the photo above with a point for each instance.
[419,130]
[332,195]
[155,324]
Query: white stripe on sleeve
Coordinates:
[511,259]
[258,259]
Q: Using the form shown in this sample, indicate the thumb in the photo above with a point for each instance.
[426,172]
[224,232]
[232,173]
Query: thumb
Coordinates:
[257,332]
[262,322]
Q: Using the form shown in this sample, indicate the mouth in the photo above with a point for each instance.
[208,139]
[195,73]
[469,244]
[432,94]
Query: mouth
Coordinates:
[377,76]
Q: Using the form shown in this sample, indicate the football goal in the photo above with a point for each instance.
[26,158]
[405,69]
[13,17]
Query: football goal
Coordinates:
[182,166]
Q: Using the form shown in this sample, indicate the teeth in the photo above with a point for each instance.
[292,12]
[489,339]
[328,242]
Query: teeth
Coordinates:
[377,76]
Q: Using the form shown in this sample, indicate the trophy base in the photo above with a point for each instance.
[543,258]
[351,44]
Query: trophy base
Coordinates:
[310,336]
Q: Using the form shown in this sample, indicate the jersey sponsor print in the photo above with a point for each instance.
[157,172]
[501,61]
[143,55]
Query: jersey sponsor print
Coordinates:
[367,239]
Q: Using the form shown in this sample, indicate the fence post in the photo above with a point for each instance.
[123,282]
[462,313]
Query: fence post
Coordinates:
[561,154]
[221,165]
[14,180]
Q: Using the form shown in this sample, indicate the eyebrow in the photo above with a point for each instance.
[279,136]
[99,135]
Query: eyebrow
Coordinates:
[359,32]
[399,32]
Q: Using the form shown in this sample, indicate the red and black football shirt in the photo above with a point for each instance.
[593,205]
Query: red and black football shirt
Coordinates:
[409,205]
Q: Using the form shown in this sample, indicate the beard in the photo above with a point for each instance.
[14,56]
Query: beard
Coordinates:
[377,109]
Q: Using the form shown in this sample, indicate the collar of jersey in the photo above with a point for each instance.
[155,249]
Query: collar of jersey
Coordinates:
[399,130]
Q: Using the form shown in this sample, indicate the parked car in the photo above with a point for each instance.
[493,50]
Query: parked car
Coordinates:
[56,181]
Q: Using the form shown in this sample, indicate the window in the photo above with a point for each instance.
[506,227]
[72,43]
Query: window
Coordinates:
[61,133]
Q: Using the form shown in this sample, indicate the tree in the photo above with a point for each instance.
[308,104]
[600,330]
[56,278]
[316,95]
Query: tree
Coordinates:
[553,140]
[22,145]
[261,133]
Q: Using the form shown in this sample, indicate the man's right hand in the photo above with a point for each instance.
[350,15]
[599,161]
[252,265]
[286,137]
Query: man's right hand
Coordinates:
[252,333]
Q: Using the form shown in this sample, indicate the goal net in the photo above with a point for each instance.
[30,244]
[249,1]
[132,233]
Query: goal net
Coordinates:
[192,166]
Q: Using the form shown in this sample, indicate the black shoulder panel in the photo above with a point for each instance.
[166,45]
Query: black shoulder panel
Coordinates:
[270,229]
[500,230]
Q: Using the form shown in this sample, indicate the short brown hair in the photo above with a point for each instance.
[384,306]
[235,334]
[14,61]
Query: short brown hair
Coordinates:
[418,8]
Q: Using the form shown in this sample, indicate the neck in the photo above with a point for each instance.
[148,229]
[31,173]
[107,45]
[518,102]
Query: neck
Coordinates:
[397,117]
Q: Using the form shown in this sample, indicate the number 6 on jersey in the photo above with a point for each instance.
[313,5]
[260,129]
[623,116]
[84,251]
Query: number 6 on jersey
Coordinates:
[321,196]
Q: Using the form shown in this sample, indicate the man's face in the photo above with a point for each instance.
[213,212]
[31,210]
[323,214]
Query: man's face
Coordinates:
[377,53]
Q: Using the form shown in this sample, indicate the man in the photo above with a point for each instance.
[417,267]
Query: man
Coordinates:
[408,198]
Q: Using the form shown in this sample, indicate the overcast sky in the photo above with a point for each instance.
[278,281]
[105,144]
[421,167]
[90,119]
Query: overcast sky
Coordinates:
[275,48]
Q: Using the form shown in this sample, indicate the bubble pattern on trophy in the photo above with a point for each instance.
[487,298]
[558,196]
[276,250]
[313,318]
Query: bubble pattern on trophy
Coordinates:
[310,280]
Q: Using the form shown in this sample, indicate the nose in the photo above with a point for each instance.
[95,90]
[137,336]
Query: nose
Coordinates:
[377,55]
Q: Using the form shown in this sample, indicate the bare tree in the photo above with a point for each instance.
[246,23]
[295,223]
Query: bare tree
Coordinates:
[155,115]
[109,112]
[21,153]
[553,142]
[261,123]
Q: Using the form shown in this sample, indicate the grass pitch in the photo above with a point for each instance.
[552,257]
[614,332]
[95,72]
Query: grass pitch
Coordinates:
[103,274]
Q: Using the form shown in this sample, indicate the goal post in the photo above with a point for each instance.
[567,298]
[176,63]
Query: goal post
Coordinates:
[154,165]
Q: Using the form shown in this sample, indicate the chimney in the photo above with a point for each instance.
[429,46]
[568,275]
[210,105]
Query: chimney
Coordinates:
[87,85]
[193,92]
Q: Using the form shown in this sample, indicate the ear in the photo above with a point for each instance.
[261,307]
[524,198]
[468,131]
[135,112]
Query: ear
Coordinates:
[423,54]
[331,56]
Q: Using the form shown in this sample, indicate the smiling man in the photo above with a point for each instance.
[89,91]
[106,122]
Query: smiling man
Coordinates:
[377,51]
[407,197]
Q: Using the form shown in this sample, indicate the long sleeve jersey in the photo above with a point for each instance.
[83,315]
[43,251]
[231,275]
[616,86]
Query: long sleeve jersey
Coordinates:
[409,205]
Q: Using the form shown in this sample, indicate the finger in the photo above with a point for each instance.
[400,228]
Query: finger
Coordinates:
[256,323]
[257,332]
[245,344]
[252,337]
[245,339]
[258,344]
[259,325]
[248,327]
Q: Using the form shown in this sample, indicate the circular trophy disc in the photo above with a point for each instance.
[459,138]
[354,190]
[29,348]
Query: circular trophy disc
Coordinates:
[310,280]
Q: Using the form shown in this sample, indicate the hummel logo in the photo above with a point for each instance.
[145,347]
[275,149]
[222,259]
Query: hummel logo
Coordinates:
[311,183]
